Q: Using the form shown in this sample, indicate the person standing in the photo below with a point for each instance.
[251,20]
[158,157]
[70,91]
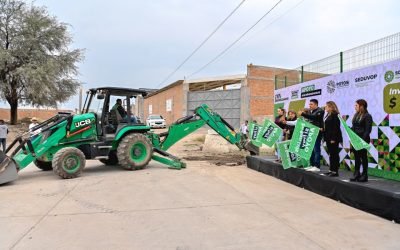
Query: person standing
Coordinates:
[362,126]
[244,130]
[34,123]
[290,124]
[3,134]
[332,136]
[280,120]
[315,115]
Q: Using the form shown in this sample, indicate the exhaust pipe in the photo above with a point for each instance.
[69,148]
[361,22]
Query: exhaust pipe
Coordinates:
[8,169]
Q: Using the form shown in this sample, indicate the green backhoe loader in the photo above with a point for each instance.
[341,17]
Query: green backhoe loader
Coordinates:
[106,130]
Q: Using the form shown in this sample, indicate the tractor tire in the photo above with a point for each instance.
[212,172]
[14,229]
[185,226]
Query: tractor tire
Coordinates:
[134,151]
[44,165]
[112,159]
[69,162]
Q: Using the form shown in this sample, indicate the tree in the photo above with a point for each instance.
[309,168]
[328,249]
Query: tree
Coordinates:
[37,66]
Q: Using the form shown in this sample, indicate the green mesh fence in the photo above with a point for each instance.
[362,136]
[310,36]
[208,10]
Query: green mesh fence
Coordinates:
[376,52]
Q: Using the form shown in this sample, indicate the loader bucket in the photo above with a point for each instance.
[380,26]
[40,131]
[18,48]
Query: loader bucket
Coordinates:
[8,169]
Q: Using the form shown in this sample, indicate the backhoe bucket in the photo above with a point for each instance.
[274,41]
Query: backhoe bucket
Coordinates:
[8,169]
[253,149]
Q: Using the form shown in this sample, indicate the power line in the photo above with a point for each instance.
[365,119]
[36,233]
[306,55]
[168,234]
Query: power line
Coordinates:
[269,24]
[237,40]
[201,45]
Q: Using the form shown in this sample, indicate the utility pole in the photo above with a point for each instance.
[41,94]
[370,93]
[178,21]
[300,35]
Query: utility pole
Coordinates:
[80,98]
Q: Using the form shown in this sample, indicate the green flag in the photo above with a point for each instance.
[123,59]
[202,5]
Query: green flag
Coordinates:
[270,133]
[290,160]
[254,131]
[355,140]
[303,140]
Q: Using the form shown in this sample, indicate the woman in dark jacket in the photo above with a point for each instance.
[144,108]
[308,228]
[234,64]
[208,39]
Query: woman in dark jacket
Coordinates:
[362,126]
[332,136]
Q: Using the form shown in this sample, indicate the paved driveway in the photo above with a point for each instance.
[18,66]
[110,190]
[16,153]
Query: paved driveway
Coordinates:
[201,207]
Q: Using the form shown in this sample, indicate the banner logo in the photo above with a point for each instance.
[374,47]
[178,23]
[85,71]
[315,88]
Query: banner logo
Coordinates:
[268,132]
[330,87]
[363,81]
[278,98]
[309,91]
[295,94]
[293,157]
[389,75]
[391,98]
[255,132]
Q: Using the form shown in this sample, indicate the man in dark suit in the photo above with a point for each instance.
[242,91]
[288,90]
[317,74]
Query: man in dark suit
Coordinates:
[315,115]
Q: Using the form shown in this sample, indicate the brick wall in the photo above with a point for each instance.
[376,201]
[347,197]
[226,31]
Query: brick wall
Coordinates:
[41,114]
[261,84]
[158,101]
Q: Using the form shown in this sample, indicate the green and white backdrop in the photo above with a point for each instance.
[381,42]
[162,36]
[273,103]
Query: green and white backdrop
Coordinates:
[379,85]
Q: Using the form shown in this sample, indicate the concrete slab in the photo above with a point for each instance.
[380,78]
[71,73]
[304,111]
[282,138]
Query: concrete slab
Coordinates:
[202,207]
[12,229]
[214,227]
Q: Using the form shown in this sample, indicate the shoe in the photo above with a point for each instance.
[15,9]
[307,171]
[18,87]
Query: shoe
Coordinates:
[313,169]
[333,174]
[363,178]
[308,168]
[355,178]
[327,173]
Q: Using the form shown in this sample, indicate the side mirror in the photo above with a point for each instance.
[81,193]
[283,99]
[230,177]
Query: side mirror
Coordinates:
[100,96]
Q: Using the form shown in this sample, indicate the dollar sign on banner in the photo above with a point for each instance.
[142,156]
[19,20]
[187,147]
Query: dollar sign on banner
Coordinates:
[393,102]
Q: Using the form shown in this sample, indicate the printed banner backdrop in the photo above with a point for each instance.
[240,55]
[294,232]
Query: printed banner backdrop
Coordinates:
[379,85]
[270,133]
[303,140]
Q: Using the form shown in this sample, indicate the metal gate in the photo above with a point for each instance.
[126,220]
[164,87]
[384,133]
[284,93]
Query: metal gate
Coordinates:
[225,102]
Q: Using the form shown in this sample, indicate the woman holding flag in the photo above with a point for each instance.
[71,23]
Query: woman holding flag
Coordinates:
[332,136]
[362,126]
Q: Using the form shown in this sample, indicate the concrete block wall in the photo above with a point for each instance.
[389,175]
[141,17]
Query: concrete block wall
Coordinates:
[260,85]
[158,102]
[41,114]
[257,96]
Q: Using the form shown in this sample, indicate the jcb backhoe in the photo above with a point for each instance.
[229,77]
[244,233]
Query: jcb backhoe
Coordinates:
[64,142]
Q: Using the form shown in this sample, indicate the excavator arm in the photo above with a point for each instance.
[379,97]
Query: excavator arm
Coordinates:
[182,127]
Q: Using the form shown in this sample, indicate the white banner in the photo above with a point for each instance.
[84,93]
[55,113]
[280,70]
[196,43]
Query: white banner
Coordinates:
[379,85]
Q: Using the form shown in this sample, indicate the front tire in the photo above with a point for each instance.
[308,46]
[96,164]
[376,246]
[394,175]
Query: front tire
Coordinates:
[69,162]
[44,165]
[134,151]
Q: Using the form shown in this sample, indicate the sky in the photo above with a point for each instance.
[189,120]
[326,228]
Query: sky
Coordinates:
[137,44]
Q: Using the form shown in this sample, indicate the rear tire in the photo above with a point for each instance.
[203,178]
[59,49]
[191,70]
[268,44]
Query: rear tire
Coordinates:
[44,165]
[69,162]
[134,151]
[112,159]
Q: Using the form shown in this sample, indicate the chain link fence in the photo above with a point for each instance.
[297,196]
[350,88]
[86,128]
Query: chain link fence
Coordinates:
[379,51]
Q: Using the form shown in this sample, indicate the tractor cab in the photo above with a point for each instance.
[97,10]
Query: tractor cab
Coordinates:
[112,108]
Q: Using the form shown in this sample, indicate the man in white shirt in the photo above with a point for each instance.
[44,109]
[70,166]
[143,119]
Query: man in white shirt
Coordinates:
[244,129]
[3,134]
[34,122]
